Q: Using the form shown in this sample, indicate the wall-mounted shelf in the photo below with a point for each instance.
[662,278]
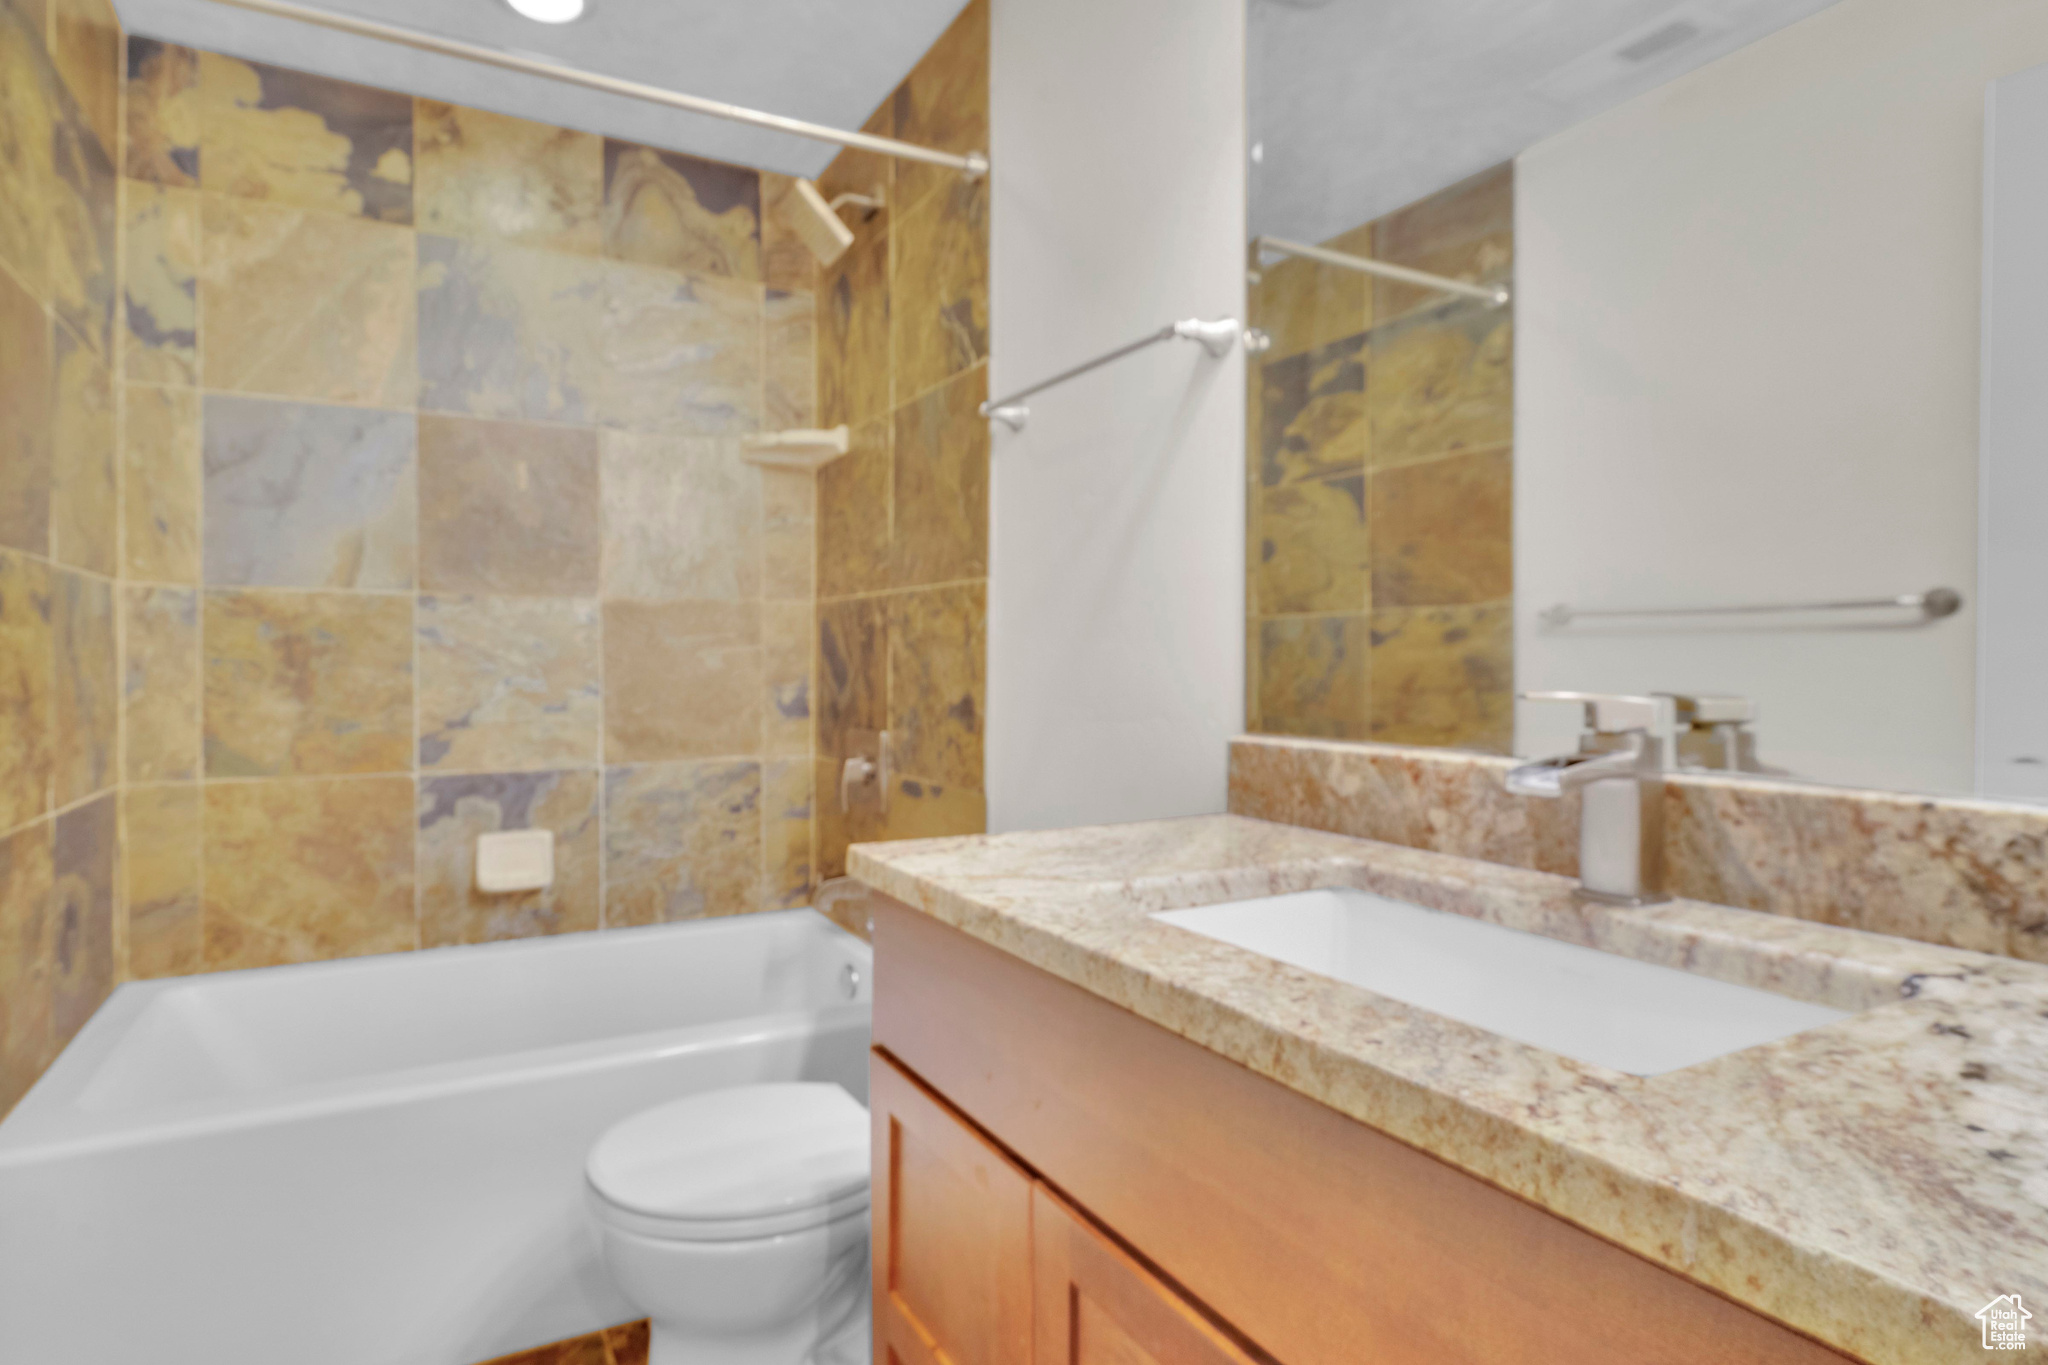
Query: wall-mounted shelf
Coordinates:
[801,448]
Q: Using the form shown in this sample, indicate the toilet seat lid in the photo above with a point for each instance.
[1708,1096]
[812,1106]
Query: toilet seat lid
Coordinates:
[744,1153]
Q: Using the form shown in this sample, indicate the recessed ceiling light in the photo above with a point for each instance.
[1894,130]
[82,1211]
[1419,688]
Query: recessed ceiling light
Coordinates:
[548,11]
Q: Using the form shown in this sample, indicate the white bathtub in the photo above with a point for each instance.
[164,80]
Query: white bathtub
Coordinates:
[380,1161]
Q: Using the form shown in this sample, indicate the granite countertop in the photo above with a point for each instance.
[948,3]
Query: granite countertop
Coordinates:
[1873,1182]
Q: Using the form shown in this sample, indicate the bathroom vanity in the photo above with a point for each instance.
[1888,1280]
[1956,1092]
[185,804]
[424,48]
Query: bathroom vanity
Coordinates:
[1103,1137]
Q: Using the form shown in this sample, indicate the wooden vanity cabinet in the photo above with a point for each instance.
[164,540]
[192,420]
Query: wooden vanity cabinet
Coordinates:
[978,1264]
[1098,1305]
[1060,1181]
[952,1234]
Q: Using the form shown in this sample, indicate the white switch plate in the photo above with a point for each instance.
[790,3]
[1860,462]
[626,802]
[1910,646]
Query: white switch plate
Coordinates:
[515,860]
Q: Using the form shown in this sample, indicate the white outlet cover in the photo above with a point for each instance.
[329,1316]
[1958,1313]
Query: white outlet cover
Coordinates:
[515,860]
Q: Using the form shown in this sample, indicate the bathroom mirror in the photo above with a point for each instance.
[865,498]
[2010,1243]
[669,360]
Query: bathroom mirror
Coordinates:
[1764,347]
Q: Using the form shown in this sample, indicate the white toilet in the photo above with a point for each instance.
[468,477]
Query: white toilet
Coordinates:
[737,1220]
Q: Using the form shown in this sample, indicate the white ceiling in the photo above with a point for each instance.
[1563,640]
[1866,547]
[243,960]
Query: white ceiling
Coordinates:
[1358,106]
[1361,106]
[829,61]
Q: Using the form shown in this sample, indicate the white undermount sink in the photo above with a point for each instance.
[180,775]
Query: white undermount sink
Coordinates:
[1595,1006]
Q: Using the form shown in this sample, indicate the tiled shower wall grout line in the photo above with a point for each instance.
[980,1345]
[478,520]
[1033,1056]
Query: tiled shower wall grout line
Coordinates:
[553,424]
[1388,466]
[111,580]
[604,800]
[117,374]
[57,319]
[437,773]
[297,590]
[930,389]
[759,484]
[419,928]
[57,811]
[28,291]
[908,588]
[890,261]
[199,333]
[202,267]
[1368,609]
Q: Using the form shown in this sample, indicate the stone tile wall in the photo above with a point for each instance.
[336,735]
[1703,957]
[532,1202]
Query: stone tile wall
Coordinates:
[372,480]
[63,939]
[1380,486]
[902,520]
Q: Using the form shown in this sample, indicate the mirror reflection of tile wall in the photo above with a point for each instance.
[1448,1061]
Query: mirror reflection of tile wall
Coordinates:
[1381,452]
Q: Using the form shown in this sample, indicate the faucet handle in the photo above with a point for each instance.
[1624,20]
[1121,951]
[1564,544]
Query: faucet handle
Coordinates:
[1612,713]
[1723,710]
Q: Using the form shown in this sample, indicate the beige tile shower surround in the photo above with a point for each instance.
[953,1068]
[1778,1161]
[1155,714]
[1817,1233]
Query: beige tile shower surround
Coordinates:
[475,547]
[61,604]
[371,480]
[903,518]
[1873,1182]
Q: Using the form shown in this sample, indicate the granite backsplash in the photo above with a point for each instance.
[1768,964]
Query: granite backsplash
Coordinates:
[1968,874]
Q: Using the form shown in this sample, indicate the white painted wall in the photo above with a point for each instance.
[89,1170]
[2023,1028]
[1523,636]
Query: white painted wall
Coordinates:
[1746,370]
[1116,582]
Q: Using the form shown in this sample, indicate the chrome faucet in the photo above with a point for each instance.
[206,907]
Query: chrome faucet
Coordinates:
[1619,773]
[1714,735]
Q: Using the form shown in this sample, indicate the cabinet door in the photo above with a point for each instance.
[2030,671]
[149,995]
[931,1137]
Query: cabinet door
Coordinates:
[952,1220]
[1097,1305]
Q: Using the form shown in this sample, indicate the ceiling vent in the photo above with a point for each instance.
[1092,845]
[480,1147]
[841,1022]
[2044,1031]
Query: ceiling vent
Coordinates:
[1667,39]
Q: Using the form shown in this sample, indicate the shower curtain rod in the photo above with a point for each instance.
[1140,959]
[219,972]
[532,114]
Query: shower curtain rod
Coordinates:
[970,163]
[1495,294]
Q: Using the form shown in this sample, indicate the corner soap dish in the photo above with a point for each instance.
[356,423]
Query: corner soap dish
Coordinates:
[803,448]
